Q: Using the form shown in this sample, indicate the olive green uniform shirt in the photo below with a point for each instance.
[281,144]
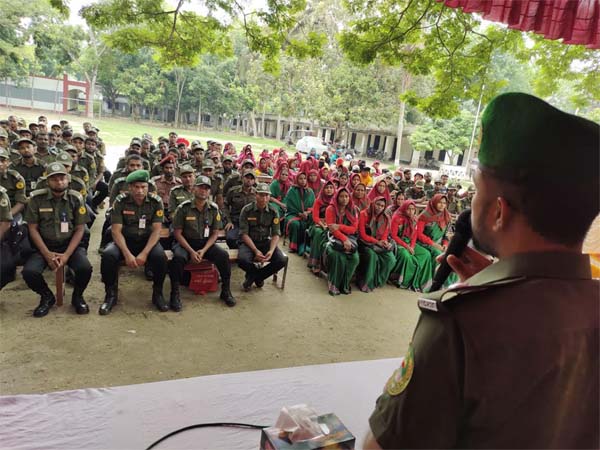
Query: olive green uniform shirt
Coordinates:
[14,184]
[76,184]
[260,225]
[137,220]
[197,224]
[234,202]
[507,359]
[81,173]
[46,159]
[50,213]
[216,186]
[404,185]
[88,162]
[30,173]
[177,196]
[121,186]
[412,194]
[5,214]
[234,180]
[454,206]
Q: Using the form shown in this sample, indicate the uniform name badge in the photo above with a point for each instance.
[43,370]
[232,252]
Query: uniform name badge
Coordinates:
[206,230]
[64,224]
[142,223]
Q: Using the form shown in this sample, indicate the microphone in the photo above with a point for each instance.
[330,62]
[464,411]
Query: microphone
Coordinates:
[462,236]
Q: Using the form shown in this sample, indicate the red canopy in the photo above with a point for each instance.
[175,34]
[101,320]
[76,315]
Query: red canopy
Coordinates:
[574,21]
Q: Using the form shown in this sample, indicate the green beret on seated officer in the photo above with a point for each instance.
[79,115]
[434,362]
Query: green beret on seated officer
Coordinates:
[508,358]
[56,218]
[196,225]
[136,219]
[259,236]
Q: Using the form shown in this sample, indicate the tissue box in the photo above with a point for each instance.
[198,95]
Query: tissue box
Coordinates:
[338,437]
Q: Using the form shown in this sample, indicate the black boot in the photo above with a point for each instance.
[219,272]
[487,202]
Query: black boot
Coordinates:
[158,300]
[247,284]
[148,273]
[47,301]
[110,300]
[226,294]
[78,302]
[175,301]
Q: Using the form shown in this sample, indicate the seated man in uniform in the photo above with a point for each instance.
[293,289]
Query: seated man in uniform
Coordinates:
[237,198]
[8,264]
[136,220]
[28,165]
[56,217]
[166,182]
[13,182]
[197,224]
[183,192]
[259,233]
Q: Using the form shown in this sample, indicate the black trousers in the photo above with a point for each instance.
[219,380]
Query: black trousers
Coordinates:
[36,264]
[100,193]
[107,176]
[232,236]
[214,254]
[8,264]
[112,256]
[246,261]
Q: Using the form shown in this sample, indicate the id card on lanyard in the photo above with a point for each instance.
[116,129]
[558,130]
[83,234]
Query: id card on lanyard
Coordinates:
[142,222]
[206,229]
[64,223]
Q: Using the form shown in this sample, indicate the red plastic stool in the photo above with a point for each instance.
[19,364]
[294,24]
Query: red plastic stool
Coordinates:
[204,277]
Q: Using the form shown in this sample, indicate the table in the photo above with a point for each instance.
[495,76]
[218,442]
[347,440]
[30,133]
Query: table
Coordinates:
[132,417]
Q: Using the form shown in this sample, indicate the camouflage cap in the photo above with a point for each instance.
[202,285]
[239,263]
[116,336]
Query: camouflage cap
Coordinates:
[452,186]
[79,136]
[135,141]
[91,138]
[138,176]
[420,184]
[202,181]
[64,158]
[186,168]
[69,148]
[228,158]
[20,141]
[263,188]
[249,172]
[24,130]
[208,164]
[248,161]
[3,133]
[197,146]
[56,168]
[4,153]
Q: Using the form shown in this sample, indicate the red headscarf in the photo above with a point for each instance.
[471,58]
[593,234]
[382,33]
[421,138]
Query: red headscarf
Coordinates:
[362,203]
[351,213]
[349,184]
[305,167]
[410,223]
[298,157]
[246,153]
[431,214]
[326,199]
[375,193]
[378,223]
[314,185]
[283,185]
[322,175]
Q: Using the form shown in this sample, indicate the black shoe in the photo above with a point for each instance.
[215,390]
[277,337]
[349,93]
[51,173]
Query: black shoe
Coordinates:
[259,283]
[79,303]
[227,297]
[247,284]
[110,300]
[158,300]
[149,274]
[175,300]
[47,301]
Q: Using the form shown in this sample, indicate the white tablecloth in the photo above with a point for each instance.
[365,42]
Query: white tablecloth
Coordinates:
[132,417]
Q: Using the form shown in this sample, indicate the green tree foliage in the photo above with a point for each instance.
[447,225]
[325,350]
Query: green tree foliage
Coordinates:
[452,135]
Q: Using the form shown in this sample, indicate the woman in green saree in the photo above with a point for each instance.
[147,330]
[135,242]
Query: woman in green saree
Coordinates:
[376,253]
[341,218]
[413,269]
[318,230]
[299,202]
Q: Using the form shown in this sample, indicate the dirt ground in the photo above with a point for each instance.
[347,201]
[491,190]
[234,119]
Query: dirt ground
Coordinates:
[269,328]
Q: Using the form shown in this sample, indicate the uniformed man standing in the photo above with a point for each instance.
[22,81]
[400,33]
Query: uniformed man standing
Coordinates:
[237,198]
[197,224]
[56,217]
[85,159]
[259,234]
[216,189]
[226,171]
[8,265]
[28,166]
[13,182]
[42,152]
[510,357]
[136,219]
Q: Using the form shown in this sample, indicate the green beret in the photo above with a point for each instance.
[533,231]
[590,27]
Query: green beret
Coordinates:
[138,175]
[263,188]
[520,132]
[56,168]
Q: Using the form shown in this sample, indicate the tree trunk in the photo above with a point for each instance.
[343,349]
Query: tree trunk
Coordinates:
[180,83]
[262,123]
[400,131]
[253,121]
[237,124]
[199,124]
[278,126]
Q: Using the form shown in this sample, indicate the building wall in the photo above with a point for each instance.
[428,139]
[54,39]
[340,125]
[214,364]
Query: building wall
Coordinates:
[36,92]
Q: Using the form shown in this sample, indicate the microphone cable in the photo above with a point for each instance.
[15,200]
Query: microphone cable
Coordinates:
[207,425]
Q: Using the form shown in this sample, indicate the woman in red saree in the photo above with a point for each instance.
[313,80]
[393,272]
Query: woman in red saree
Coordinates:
[318,230]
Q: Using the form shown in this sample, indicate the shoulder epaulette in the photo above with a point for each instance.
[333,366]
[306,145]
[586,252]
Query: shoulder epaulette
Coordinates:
[121,196]
[3,189]
[185,202]
[154,196]
[16,174]
[38,192]
[76,194]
